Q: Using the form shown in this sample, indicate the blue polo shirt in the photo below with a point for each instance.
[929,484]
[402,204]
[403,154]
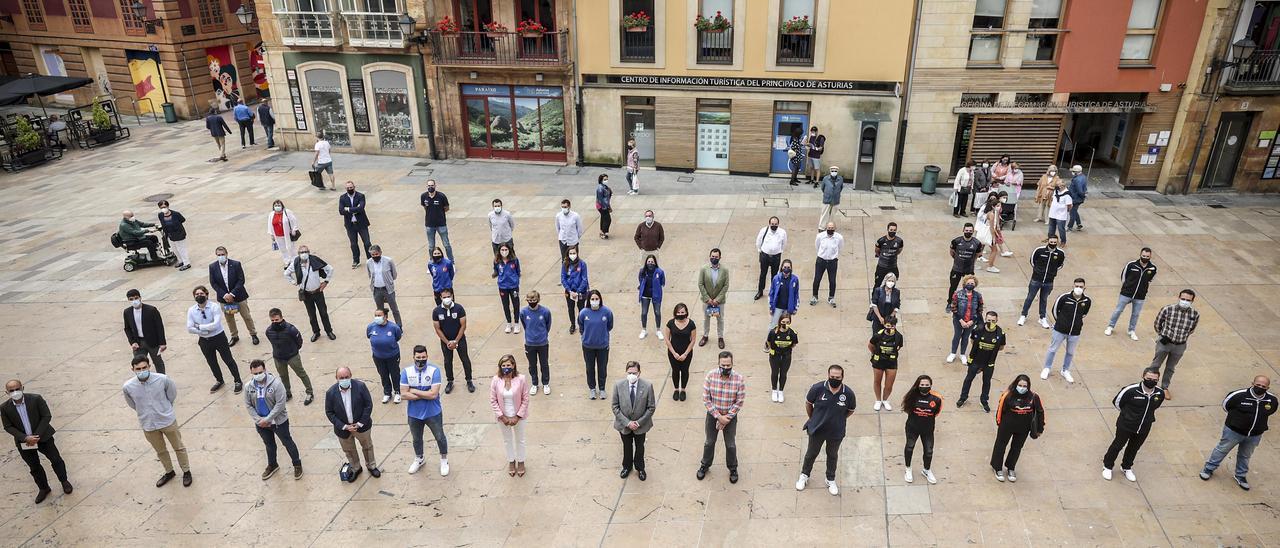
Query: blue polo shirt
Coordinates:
[422,379]
[242,113]
[384,339]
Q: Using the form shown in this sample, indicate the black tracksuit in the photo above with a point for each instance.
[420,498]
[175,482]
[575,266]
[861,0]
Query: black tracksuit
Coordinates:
[1247,415]
[1016,415]
[921,416]
[1136,279]
[1069,313]
[1137,412]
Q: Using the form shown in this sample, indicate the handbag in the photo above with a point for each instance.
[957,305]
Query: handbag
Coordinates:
[293,236]
[1035,419]
[791,153]
[954,199]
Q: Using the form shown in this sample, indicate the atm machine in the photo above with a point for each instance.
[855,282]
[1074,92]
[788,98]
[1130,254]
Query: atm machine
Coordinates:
[865,166]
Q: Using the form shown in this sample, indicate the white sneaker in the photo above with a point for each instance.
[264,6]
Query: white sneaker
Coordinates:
[1107,332]
[1106,474]
[508,329]
[1012,476]
[444,468]
[928,475]
[773,396]
[964,359]
[515,328]
[1044,373]
[546,389]
[1128,474]
[831,488]
[1044,323]
[1133,336]
[660,337]
[386,399]
[1022,320]
[593,393]
[800,483]
[1007,254]
[999,475]
[533,390]
[993,270]
[876,406]
[886,406]
[781,397]
[396,398]
[983,259]
[416,465]
[1067,375]
[951,357]
[907,477]
[644,333]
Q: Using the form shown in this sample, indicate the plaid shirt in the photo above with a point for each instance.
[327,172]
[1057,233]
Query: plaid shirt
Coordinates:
[1177,323]
[724,395]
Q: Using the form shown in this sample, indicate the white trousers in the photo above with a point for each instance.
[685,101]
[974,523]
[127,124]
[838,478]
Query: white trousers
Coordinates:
[288,248]
[513,439]
[180,249]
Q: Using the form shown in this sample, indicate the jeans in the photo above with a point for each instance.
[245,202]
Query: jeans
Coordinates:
[154,352]
[316,308]
[1131,442]
[1013,441]
[270,131]
[388,374]
[383,299]
[1037,287]
[212,348]
[829,267]
[50,451]
[926,439]
[960,335]
[269,435]
[633,181]
[1133,314]
[443,232]
[706,321]
[363,233]
[448,359]
[1075,215]
[1168,355]
[246,126]
[1054,343]
[295,363]
[811,455]
[597,360]
[768,269]
[632,451]
[779,364]
[730,442]
[533,354]
[644,313]
[1231,438]
[1060,226]
[436,424]
[510,304]
[974,370]
[173,435]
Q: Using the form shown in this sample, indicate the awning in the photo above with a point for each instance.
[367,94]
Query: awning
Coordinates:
[18,90]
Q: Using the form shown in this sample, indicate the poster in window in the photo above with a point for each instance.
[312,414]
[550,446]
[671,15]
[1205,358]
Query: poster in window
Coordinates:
[359,110]
[226,84]
[327,107]
[391,108]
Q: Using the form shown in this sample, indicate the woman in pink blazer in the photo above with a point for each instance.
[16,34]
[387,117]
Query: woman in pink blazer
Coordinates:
[509,397]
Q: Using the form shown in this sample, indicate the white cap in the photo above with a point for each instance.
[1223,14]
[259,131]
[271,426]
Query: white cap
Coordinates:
[1076,168]
[836,168]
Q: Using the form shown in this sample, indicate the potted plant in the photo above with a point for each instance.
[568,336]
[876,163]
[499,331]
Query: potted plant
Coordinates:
[796,25]
[715,24]
[447,26]
[28,146]
[636,22]
[101,129]
[531,29]
[495,29]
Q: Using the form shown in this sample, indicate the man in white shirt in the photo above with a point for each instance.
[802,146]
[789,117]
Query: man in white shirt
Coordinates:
[205,319]
[568,228]
[323,161]
[770,242]
[312,275]
[828,243]
[382,281]
[502,227]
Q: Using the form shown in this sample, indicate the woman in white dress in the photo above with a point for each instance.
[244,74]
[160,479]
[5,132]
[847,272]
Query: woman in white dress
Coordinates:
[281,227]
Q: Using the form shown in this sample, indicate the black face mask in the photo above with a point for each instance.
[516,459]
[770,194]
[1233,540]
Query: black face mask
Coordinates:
[420,363]
[1053,246]
[892,233]
[968,235]
[831,231]
[681,316]
[377,259]
[773,228]
[506,371]
[715,261]
[924,389]
[351,192]
[1149,383]
[200,299]
[650,267]
[834,383]
[437,258]
[1259,391]
[725,371]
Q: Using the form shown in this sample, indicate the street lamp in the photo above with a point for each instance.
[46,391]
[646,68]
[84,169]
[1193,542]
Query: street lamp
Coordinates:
[140,11]
[407,24]
[1241,50]
[245,16]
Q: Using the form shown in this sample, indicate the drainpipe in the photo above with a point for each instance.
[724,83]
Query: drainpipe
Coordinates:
[577,88]
[905,106]
[186,69]
[426,103]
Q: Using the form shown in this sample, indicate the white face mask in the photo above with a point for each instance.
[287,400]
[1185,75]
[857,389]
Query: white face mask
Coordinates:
[564,210]
[1077,291]
[304,256]
[137,303]
[890,284]
[1184,303]
[632,378]
[447,302]
[504,253]
[17,394]
[259,377]
[573,256]
[497,209]
[222,259]
[164,210]
[648,221]
[835,173]
[595,304]
[380,320]
[278,208]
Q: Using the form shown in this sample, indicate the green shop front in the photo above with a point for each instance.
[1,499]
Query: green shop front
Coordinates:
[514,122]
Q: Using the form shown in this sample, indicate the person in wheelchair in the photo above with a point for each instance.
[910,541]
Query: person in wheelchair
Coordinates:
[134,233]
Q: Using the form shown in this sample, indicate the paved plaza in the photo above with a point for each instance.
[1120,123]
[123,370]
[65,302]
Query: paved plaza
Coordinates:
[62,290]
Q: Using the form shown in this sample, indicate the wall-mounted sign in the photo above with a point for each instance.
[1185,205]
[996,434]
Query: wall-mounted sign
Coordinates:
[295,96]
[719,82]
[359,109]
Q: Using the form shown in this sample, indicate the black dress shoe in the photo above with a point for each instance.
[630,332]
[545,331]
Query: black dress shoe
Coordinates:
[733,476]
[216,386]
[310,398]
[684,395]
[573,329]
[332,337]
[234,340]
[623,474]
[702,473]
[986,407]
[960,403]
[758,296]
[288,396]
[375,471]
[356,474]
[66,487]
[186,479]
[238,387]
[165,478]
[675,395]
[448,387]
[640,474]
[315,337]
[471,386]
[255,339]
[720,342]
[702,341]
[43,494]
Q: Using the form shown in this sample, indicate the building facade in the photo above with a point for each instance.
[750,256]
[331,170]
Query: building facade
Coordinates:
[193,53]
[1050,82]
[727,99]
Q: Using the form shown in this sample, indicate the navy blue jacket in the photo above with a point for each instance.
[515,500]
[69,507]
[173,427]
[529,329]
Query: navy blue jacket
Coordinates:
[793,296]
[235,275]
[356,203]
[361,407]
[216,125]
[265,116]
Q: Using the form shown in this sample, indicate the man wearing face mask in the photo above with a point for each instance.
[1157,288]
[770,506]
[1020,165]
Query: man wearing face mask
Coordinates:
[382,281]
[569,229]
[770,242]
[633,408]
[450,321]
[1079,189]
[832,186]
[152,395]
[144,329]
[133,230]
[1137,404]
[784,294]
[1247,412]
[713,288]
[1046,260]
[828,244]
[988,341]
[286,346]
[384,341]
[828,407]
[265,401]
[965,250]
[1068,319]
[536,320]
[351,207]
[887,250]
[724,390]
[204,319]
[420,384]
[436,206]
[312,275]
[502,227]
[649,236]
[604,205]
[981,184]
[1174,325]
[817,144]
[26,416]
[226,277]
[1135,279]
[349,408]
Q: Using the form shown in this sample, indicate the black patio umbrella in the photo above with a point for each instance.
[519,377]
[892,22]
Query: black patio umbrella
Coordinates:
[18,90]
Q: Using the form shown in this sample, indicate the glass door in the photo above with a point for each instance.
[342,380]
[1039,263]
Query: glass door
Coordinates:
[713,135]
[638,124]
[533,45]
[472,16]
[783,126]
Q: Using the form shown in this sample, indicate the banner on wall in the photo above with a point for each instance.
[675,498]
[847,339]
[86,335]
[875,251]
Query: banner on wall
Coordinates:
[226,83]
[258,66]
[144,70]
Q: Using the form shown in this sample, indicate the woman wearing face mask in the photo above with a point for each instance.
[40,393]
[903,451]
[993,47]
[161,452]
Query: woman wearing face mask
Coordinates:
[922,406]
[797,150]
[596,321]
[604,197]
[441,270]
[652,280]
[1018,415]
[884,346]
[573,277]
[995,204]
[171,223]
[1014,182]
[1044,192]
[784,294]
[284,230]
[885,302]
[681,332]
[966,310]
[506,268]
[510,403]
[778,344]
[384,338]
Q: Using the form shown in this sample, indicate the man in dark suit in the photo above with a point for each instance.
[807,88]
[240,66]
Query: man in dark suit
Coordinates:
[268,121]
[351,207]
[144,329]
[349,407]
[26,418]
[633,407]
[226,277]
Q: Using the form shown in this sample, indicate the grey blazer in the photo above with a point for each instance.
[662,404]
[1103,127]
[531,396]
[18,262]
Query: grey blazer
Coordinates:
[642,412]
[388,275]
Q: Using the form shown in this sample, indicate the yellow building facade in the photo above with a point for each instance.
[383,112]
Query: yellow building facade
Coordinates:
[726,97]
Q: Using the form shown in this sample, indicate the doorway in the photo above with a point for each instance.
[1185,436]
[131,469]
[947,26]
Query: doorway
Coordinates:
[713,134]
[638,123]
[1228,143]
[788,116]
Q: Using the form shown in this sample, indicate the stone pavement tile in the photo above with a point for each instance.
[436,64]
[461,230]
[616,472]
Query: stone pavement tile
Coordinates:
[854,501]
[636,508]
[1091,526]
[566,535]
[1003,528]
[913,499]
[198,518]
[675,534]
[1190,520]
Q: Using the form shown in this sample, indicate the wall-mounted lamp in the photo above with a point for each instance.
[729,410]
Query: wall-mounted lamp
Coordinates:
[140,11]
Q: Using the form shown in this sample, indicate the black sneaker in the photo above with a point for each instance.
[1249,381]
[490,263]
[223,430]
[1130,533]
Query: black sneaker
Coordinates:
[297,472]
[288,396]
[355,474]
[315,337]
[573,329]
[702,473]
[255,339]
[186,479]
[375,471]
[238,386]
[733,476]
[471,386]
[310,398]
[960,403]
[270,471]
[986,407]
[1243,482]
[448,387]
[216,387]
[331,336]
